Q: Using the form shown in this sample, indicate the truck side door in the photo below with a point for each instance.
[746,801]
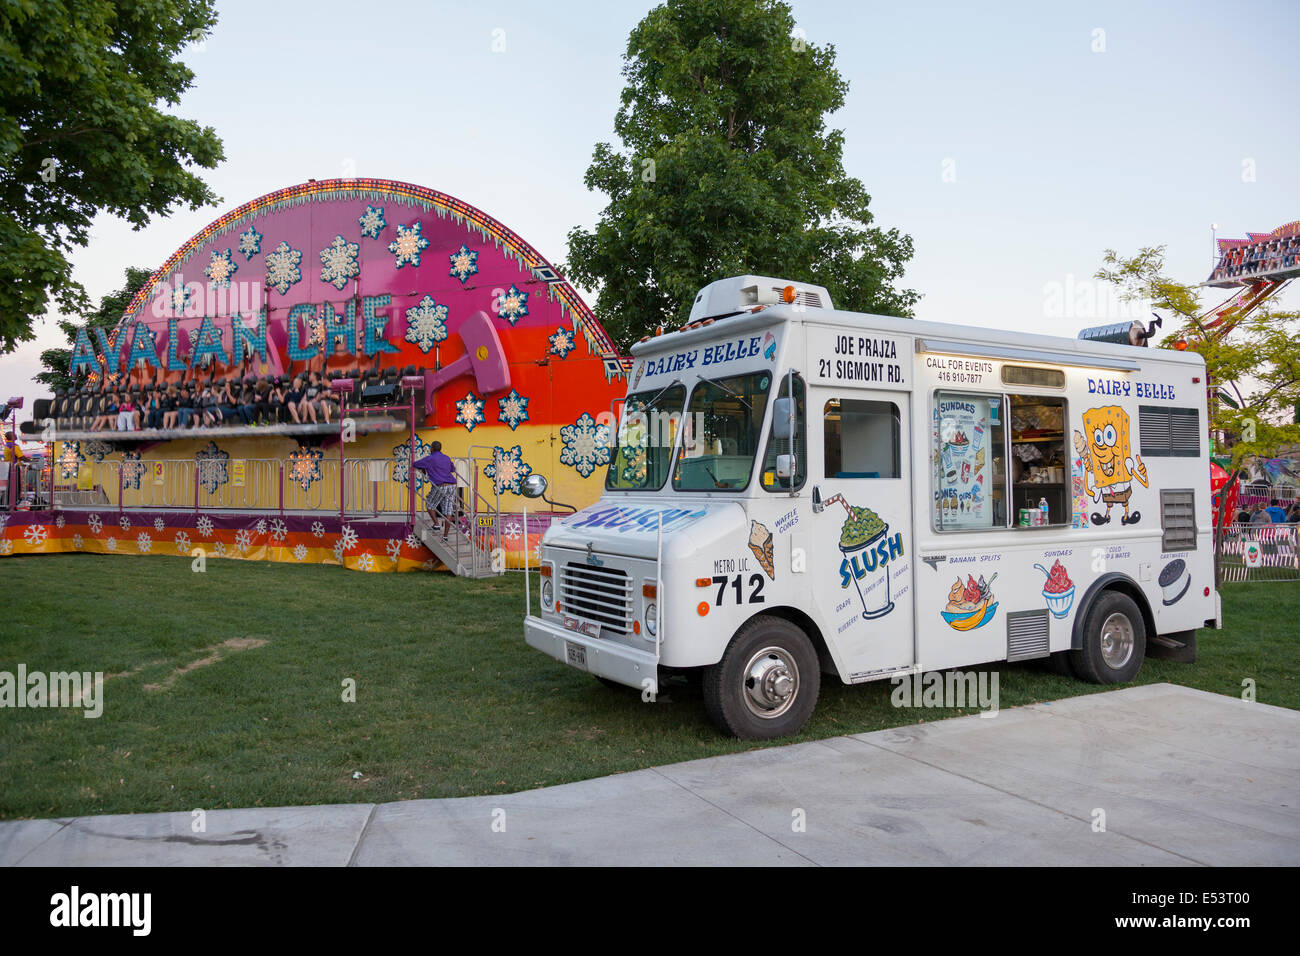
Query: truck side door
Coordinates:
[862,534]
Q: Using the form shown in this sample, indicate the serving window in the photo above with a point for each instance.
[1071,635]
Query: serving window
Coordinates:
[996,458]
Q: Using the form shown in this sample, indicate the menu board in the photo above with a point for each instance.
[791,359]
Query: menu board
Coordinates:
[964,459]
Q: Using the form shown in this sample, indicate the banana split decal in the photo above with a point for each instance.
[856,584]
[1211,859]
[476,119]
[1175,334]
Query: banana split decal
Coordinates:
[1110,467]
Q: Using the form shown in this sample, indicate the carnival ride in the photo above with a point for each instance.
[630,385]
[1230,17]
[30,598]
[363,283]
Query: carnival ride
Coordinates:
[431,320]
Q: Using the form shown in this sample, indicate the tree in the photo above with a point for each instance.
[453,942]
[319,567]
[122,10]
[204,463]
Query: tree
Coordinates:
[1257,364]
[106,316]
[726,167]
[81,132]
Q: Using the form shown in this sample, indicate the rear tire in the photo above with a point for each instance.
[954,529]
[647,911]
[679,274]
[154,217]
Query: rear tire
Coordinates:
[1114,641]
[766,684]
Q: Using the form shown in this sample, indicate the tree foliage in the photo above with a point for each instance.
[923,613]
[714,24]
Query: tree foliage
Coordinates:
[726,167]
[1257,364]
[83,131]
[105,316]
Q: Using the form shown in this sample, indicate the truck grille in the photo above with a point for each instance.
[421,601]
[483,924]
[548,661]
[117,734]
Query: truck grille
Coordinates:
[602,595]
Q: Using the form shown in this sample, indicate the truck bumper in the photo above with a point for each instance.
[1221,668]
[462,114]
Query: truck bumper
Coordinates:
[624,665]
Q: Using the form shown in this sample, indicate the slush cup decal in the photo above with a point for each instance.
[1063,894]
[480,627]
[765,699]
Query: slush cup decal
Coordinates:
[868,551]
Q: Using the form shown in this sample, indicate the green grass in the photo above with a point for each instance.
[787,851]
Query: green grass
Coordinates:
[450,701]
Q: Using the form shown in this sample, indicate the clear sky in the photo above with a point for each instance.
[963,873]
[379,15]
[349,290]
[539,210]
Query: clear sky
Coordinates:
[1013,142]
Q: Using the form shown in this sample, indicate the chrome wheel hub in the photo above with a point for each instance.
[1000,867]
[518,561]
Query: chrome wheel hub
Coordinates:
[1117,640]
[771,682]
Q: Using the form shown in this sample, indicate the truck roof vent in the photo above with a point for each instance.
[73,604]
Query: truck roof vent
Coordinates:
[804,297]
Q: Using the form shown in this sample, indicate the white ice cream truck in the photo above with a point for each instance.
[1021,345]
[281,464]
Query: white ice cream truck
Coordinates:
[934,496]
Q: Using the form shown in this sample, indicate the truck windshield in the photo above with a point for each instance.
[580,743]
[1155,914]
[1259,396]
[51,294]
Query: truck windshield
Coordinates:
[646,434]
[722,433]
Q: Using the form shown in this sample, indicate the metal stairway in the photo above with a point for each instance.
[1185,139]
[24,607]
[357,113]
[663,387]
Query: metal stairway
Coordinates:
[464,554]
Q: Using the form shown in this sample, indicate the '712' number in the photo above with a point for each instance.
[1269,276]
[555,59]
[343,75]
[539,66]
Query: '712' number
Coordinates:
[737,584]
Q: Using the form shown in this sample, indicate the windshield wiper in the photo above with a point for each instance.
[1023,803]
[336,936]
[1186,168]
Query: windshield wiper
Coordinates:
[733,394]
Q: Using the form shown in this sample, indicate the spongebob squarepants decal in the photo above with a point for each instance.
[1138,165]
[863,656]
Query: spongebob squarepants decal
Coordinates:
[1109,465]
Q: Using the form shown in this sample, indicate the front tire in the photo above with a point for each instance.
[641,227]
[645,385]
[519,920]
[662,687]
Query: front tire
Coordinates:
[766,684]
[1114,641]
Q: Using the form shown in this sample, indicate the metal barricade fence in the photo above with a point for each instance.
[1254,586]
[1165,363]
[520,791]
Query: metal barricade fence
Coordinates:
[1259,552]
[369,486]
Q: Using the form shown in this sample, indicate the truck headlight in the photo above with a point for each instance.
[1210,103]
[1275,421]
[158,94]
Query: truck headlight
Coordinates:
[651,619]
[548,592]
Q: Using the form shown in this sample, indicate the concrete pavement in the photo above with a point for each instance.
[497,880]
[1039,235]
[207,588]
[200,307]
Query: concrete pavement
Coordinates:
[1181,776]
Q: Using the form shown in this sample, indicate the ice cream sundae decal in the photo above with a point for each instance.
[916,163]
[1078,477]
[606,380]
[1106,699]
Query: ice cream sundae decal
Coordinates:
[1059,589]
[970,605]
[1110,466]
[868,552]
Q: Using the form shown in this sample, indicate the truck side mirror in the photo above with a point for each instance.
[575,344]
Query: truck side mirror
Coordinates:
[782,419]
[785,466]
[534,486]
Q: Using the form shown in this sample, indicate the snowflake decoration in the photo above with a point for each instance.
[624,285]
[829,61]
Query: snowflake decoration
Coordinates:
[338,550]
[205,525]
[282,268]
[96,450]
[278,530]
[513,305]
[250,243]
[464,263]
[157,524]
[36,535]
[299,552]
[111,544]
[586,445]
[144,543]
[212,463]
[408,245]
[59,522]
[426,323]
[561,342]
[221,267]
[411,542]
[428,565]
[95,524]
[304,468]
[402,465]
[219,549]
[512,409]
[364,562]
[348,538]
[243,540]
[6,546]
[261,526]
[469,411]
[76,541]
[394,548]
[634,471]
[339,260]
[133,470]
[372,222]
[182,542]
[317,529]
[125,523]
[508,469]
[512,531]
[181,298]
[70,459]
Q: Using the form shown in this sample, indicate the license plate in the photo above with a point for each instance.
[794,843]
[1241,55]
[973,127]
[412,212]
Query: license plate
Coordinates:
[575,654]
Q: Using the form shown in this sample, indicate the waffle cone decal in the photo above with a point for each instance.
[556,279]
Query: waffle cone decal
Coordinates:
[760,542]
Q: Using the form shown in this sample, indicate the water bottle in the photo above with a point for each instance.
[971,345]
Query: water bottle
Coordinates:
[1043,510]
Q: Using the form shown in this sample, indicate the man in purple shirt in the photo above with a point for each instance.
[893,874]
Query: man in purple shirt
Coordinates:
[441,499]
